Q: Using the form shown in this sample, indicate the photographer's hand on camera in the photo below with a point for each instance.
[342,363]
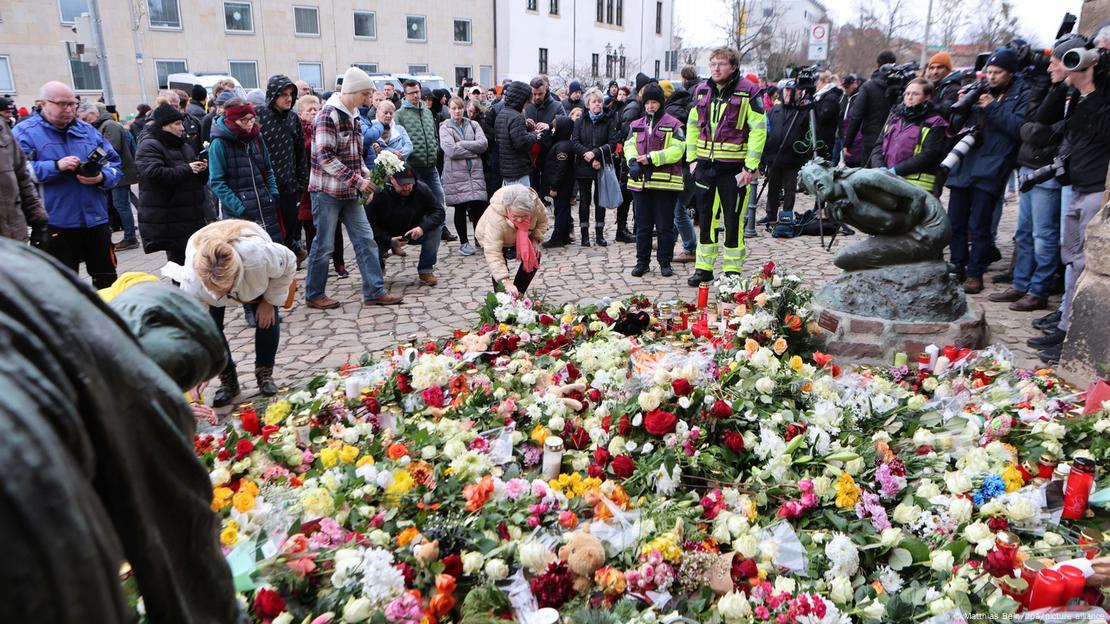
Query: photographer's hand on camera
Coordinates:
[69,163]
[90,181]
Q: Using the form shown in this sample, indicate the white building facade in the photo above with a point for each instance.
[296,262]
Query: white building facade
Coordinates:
[594,41]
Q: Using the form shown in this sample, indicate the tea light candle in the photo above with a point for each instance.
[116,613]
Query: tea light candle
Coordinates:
[552,457]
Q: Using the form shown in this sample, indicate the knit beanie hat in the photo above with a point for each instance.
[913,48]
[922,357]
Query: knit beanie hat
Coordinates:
[235,113]
[653,92]
[575,87]
[199,94]
[668,88]
[355,80]
[166,114]
[941,58]
[1004,58]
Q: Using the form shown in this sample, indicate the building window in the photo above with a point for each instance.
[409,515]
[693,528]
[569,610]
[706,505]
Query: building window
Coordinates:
[164,14]
[7,82]
[418,69]
[608,11]
[656,69]
[370,68]
[462,31]
[659,18]
[462,74]
[622,72]
[600,11]
[593,64]
[416,28]
[543,61]
[246,72]
[306,21]
[238,18]
[70,9]
[532,5]
[609,64]
[86,76]
[163,68]
[485,75]
[312,73]
[554,10]
[768,12]
[366,24]
[620,12]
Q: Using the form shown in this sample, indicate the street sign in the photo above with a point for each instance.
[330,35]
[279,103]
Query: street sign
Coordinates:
[819,42]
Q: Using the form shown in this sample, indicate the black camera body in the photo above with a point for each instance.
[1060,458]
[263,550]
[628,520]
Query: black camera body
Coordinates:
[1056,169]
[93,163]
[970,96]
[805,84]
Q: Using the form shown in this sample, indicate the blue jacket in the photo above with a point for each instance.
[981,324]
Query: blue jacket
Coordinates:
[369,135]
[69,204]
[995,153]
[399,140]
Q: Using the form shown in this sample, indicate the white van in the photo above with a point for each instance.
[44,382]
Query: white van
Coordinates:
[207,80]
[430,81]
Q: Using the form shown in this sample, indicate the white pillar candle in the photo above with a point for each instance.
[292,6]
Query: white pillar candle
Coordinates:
[933,352]
[353,386]
[942,365]
[552,457]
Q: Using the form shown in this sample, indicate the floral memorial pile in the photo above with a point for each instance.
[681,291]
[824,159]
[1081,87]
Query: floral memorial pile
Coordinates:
[640,461]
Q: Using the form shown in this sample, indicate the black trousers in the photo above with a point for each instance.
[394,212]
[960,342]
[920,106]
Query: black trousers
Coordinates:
[712,179]
[523,278]
[655,210]
[472,210]
[587,188]
[93,246]
[782,186]
[288,206]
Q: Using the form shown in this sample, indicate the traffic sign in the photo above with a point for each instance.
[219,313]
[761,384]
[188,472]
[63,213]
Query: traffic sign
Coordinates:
[819,42]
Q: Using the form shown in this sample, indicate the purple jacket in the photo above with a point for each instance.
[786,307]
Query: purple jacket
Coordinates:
[731,129]
[667,126]
[901,137]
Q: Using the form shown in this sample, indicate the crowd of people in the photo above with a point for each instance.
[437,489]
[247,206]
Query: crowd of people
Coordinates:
[241,192]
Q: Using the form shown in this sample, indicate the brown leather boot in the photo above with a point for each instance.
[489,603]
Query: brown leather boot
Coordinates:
[1028,303]
[1010,294]
[264,375]
[973,285]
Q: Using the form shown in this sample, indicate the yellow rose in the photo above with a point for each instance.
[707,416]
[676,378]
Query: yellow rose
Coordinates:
[796,363]
[229,536]
[328,457]
[221,497]
[243,501]
[318,502]
[539,434]
[348,454]
[402,483]
[248,486]
[362,461]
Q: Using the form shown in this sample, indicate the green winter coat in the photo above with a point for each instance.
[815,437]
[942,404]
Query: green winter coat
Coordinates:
[421,126]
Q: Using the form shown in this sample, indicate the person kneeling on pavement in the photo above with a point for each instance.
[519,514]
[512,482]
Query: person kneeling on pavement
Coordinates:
[406,211]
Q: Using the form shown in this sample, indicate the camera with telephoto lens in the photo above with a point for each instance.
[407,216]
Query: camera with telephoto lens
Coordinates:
[1079,59]
[970,96]
[93,163]
[962,147]
[1052,170]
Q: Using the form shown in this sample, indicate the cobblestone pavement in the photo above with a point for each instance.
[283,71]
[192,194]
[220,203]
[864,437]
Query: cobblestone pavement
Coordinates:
[314,340]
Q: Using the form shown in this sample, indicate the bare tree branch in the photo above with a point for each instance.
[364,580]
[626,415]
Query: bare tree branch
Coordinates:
[951,22]
[996,23]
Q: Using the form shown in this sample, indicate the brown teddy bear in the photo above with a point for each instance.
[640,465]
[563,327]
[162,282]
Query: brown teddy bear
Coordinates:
[584,555]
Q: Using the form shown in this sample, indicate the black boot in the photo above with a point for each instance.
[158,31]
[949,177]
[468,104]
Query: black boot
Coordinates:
[264,375]
[699,276]
[585,237]
[1048,321]
[639,270]
[228,390]
[624,236]
[599,233]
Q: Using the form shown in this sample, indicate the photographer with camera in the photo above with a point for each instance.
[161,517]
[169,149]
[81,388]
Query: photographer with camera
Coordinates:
[786,150]
[1082,100]
[75,165]
[912,143]
[978,183]
[946,83]
[872,105]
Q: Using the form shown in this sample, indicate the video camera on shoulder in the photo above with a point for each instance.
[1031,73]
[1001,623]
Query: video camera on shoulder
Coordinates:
[805,83]
[93,163]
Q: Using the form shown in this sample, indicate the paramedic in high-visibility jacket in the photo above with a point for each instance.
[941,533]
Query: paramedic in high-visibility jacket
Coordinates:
[724,142]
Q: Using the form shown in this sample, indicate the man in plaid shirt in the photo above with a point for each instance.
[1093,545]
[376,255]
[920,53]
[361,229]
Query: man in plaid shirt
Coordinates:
[338,176]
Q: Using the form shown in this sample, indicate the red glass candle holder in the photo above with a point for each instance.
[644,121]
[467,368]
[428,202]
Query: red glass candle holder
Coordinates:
[1028,574]
[1048,590]
[1089,540]
[1074,581]
[1078,490]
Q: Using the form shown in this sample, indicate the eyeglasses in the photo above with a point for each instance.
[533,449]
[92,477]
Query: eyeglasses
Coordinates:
[246,120]
[720,64]
[64,105]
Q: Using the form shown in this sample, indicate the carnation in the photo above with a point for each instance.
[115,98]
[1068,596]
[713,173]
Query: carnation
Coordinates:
[843,555]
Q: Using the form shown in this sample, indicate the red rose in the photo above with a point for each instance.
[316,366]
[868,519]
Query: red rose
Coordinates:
[721,409]
[769,269]
[268,604]
[998,523]
[371,404]
[793,430]
[452,564]
[625,426]
[595,395]
[243,448]
[572,372]
[681,387]
[623,466]
[403,383]
[658,422]
[547,319]
[734,441]
[607,422]
[578,439]
[223,455]
[407,572]
[433,397]
[602,456]
[595,471]
[249,420]
[999,563]
[743,569]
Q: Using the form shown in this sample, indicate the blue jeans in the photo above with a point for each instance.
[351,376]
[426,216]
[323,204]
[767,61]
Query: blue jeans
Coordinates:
[429,176]
[684,225]
[429,249]
[1037,240]
[327,212]
[970,210]
[121,199]
[524,180]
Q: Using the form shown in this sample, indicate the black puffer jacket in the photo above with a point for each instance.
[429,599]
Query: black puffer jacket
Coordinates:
[284,138]
[171,196]
[514,142]
[679,105]
[600,137]
[826,111]
[869,111]
[394,214]
[786,143]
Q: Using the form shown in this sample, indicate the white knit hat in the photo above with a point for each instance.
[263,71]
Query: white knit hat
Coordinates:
[355,80]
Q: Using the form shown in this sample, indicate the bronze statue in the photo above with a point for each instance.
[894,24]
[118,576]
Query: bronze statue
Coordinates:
[97,445]
[906,223]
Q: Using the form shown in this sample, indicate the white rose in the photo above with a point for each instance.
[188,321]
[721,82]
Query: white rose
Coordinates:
[822,486]
[428,452]
[890,537]
[721,533]
[357,610]
[1020,510]
[734,607]
[874,610]
[960,510]
[905,514]
[221,476]
[472,562]
[556,424]
[941,560]
[958,482]
[496,569]
[977,532]
[855,466]
[941,606]
[648,401]
[747,545]
[927,490]
[765,385]
[785,584]
[840,590]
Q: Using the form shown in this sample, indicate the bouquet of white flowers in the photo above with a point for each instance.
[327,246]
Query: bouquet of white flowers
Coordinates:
[387,164]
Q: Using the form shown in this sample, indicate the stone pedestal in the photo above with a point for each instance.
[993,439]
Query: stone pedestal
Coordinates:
[1086,354]
[868,316]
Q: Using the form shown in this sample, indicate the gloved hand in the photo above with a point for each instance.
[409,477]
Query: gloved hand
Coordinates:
[40,235]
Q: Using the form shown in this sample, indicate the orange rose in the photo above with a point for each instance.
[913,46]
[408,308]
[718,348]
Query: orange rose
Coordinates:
[477,494]
[407,536]
[793,322]
[396,451]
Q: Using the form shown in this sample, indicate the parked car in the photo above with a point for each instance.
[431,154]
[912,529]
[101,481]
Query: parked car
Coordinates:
[185,81]
[426,80]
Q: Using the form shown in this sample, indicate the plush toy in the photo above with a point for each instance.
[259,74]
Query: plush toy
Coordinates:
[584,555]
